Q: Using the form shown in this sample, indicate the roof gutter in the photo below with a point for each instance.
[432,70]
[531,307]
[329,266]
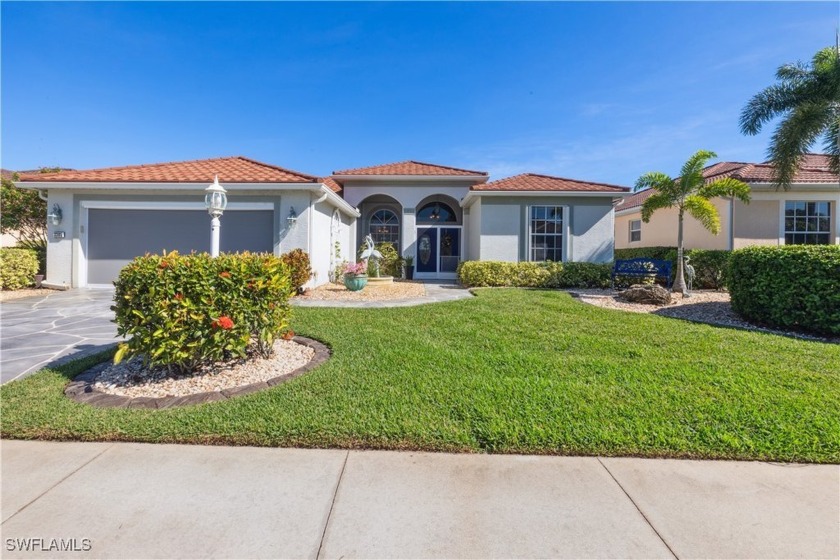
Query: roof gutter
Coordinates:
[472,196]
[327,194]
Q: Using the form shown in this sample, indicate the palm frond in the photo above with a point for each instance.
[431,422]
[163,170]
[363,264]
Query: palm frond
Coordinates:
[831,144]
[702,210]
[691,174]
[655,202]
[794,136]
[726,186]
[654,180]
[766,105]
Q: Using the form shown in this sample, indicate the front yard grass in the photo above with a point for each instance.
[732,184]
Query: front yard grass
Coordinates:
[510,371]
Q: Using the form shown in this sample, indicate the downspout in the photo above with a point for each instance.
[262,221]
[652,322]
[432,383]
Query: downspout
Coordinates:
[732,224]
[43,195]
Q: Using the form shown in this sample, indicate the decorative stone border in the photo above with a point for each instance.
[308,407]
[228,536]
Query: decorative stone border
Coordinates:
[81,389]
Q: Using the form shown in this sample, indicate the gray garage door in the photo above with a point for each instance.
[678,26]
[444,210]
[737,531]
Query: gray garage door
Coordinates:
[117,236]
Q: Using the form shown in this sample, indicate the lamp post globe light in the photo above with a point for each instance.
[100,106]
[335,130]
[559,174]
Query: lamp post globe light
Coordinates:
[215,200]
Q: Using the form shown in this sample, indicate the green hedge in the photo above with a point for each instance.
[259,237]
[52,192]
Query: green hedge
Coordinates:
[534,274]
[793,286]
[187,311]
[18,267]
[711,266]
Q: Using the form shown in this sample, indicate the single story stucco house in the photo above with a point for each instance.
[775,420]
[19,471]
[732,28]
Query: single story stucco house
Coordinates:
[807,213]
[440,215]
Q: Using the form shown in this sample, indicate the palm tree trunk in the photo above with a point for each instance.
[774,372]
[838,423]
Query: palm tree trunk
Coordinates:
[679,281]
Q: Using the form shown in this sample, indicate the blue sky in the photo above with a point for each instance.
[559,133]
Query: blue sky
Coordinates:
[596,91]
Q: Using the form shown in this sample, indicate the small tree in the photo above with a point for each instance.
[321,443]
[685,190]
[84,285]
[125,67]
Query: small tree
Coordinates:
[689,193]
[23,215]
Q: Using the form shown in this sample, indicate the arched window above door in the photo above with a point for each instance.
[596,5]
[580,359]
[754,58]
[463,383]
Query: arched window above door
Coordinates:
[385,227]
[436,213]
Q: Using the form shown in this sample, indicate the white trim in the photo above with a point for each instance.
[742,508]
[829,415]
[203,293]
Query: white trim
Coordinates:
[416,178]
[631,230]
[566,246]
[471,196]
[139,186]
[171,205]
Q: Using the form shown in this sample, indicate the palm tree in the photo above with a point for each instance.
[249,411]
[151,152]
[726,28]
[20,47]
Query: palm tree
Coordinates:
[807,97]
[689,193]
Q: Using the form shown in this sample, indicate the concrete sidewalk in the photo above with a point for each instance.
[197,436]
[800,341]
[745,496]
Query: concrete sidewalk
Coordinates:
[161,501]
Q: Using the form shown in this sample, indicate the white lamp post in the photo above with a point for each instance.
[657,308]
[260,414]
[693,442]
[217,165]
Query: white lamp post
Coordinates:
[215,200]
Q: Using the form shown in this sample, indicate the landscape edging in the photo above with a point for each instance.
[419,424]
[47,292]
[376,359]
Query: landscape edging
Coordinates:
[82,390]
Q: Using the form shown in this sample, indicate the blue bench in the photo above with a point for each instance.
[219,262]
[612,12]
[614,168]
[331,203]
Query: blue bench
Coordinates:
[643,268]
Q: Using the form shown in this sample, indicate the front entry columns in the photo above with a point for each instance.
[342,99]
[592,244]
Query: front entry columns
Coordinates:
[409,232]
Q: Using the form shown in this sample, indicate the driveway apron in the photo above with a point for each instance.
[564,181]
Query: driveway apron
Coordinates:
[47,330]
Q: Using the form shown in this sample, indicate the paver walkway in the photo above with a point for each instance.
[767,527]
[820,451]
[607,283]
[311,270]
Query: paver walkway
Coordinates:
[436,292]
[58,326]
[169,501]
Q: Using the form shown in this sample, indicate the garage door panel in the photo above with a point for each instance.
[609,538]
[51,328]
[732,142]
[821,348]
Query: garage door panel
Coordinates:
[115,237]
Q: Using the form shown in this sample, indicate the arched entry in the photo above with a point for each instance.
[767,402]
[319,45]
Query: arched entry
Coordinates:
[381,219]
[439,237]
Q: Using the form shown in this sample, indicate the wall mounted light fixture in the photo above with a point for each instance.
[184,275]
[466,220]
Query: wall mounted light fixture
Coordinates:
[292,219]
[55,216]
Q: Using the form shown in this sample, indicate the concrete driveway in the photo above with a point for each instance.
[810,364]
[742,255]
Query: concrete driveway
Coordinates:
[127,500]
[49,329]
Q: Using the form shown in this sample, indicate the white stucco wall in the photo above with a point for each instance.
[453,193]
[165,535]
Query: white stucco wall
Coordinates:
[65,257]
[473,231]
[500,229]
[505,227]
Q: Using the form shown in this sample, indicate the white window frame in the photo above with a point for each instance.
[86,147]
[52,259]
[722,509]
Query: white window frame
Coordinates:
[784,232]
[564,235]
[634,230]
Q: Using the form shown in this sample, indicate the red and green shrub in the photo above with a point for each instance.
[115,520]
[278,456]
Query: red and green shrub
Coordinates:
[185,311]
[300,268]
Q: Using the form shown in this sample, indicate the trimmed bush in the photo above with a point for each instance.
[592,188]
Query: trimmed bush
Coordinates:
[390,264]
[534,274]
[299,267]
[17,267]
[710,265]
[792,287]
[187,311]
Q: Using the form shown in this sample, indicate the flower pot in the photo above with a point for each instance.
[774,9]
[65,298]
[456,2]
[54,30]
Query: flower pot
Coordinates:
[355,283]
[409,272]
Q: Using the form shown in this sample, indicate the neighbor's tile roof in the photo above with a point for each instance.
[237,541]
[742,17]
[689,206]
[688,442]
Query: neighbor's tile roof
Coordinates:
[535,182]
[812,169]
[235,169]
[409,168]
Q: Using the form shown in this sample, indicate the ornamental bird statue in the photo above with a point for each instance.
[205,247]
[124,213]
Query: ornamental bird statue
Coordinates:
[370,252]
[690,273]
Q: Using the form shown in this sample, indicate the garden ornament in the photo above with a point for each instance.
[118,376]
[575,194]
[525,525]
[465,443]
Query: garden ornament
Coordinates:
[690,273]
[370,252]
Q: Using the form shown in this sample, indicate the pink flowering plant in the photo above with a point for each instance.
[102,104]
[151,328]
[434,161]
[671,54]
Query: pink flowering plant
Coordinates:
[355,269]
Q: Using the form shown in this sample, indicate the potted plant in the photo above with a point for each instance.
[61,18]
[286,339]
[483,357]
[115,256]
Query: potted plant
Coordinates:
[409,267]
[355,275]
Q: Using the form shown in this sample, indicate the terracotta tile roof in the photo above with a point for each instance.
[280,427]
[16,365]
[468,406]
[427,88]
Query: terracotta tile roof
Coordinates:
[535,182]
[813,169]
[635,200]
[333,184]
[235,169]
[409,168]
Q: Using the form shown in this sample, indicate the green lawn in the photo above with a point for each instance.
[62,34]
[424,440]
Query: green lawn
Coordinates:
[509,371]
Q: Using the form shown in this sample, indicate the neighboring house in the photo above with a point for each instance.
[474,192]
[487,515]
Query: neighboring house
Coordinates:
[440,215]
[807,213]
